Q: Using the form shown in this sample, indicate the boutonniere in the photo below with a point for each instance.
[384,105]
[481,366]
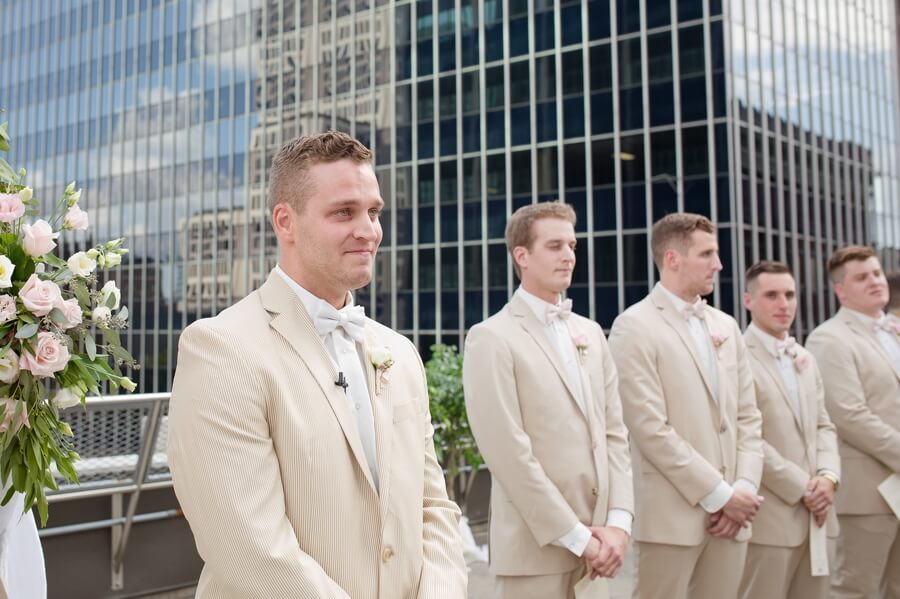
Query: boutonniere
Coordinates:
[801,361]
[717,340]
[382,361]
[581,344]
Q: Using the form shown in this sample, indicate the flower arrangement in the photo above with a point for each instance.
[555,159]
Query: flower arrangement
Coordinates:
[50,309]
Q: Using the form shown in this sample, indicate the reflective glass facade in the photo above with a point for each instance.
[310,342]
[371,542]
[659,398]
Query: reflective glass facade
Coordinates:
[775,118]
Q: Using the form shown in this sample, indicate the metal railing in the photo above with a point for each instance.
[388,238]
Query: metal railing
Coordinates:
[121,440]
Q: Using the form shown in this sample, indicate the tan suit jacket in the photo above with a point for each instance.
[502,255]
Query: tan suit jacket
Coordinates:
[552,464]
[269,468]
[862,394]
[796,445]
[684,441]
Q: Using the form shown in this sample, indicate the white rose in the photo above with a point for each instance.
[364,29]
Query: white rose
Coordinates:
[110,290]
[9,367]
[81,265]
[68,397]
[380,356]
[101,314]
[6,271]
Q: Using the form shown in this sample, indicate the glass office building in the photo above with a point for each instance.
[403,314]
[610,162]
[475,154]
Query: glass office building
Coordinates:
[777,118]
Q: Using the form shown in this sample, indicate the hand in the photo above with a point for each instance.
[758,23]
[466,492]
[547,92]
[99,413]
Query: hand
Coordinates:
[819,496]
[722,527]
[742,507]
[613,544]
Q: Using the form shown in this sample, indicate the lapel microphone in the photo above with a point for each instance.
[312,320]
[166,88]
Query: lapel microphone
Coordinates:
[341,382]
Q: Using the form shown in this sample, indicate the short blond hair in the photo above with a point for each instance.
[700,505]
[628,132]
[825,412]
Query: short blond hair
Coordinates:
[673,231]
[289,173]
[851,253]
[520,229]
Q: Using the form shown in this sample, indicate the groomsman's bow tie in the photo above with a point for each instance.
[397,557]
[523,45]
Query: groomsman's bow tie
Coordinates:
[785,347]
[350,318]
[560,312]
[697,309]
[885,323]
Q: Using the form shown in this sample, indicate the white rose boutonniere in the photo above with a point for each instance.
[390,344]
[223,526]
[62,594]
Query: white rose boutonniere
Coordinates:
[581,344]
[381,359]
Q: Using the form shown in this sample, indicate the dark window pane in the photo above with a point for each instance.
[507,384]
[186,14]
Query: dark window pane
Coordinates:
[690,9]
[628,16]
[571,24]
[544,38]
[598,15]
[662,104]
[658,14]
[601,113]
[573,117]
[518,36]
[634,206]
[493,42]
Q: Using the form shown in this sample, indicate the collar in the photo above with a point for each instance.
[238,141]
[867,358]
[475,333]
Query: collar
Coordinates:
[679,303]
[312,303]
[535,304]
[766,339]
[866,320]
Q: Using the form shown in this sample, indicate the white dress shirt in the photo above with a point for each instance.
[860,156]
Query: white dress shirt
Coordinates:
[348,357]
[784,362]
[889,341]
[721,495]
[577,539]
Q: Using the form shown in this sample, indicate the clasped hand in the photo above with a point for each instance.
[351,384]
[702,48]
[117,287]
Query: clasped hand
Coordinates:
[605,552]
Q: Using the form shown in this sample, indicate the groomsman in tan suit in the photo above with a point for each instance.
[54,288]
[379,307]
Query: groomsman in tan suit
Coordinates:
[858,351]
[300,439]
[541,395]
[689,403]
[802,465]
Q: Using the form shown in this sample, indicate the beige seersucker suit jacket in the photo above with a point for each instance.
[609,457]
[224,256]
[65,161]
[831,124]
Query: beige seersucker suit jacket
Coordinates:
[862,394]
[796,446]
[684,442]
[270,471]
[552,464]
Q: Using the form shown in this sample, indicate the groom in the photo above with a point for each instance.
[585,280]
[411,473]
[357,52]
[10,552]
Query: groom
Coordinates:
[303,468]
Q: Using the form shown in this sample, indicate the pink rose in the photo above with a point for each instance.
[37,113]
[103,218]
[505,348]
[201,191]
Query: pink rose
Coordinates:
[71,309]
[801,361]
[39,297]
[8,309]
[10,405]
[76,219]
[38,238]
[11,207]
[50,356]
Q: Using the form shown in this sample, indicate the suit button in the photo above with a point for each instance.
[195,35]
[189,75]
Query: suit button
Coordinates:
[387,553]
[595,492]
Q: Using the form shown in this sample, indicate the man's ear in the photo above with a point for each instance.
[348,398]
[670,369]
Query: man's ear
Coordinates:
[520,256]
[748,301]
[283,221]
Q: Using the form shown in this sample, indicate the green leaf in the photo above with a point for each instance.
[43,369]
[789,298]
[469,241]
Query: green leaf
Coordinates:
[6,171]
[123,313]
[81,293]
[56,261]
[111,301]
[8,496]
[111,337]
[27,331]
[65,429]
[120,353]
[42,506]
[90,346]
[57,316]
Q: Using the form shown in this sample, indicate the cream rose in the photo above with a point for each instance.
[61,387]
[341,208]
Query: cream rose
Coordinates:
[39,297]
[50,356]
[81,264]
[6,271]
[11,207]
[67,398]
[9,367]
[101,314]
[38,238]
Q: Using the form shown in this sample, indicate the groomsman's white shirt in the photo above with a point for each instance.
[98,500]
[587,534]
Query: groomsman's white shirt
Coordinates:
[890,343]
[721,495]
[577,539]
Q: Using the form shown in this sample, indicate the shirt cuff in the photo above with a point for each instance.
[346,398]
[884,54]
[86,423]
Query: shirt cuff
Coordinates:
[576,540]
[831,472]
[716,500]
[745,485]
[620,519]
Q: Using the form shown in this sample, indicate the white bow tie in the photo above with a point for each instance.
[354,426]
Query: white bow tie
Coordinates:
[559,312]
[785,347]
[698,309]
[350,318]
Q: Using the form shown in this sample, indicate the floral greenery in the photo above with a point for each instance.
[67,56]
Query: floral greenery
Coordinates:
[453,441]
[49,358]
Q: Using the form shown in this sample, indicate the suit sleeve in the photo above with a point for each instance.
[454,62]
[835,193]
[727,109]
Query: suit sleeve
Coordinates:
[828,456]
[749,420]
[494,415]
[645,413]
[444,572]
[621,488]
[846,402]
[226,473]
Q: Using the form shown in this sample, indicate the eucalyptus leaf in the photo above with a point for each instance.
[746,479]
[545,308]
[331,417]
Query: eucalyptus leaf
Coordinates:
[90,346]
[123,313]
[27,331]
[56,261]
[57,316]
[120,353]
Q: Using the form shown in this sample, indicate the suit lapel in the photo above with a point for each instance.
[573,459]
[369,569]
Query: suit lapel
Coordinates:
[584,375]
[677,322]
[291,321]
[858,327]
[526,318]
[383,415]
[762,355]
